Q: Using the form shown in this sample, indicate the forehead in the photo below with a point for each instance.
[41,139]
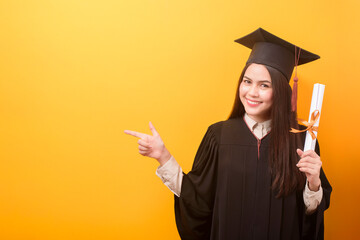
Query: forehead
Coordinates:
[257,72]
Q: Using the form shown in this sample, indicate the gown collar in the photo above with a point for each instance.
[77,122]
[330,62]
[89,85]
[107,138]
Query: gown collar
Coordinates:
[259,129]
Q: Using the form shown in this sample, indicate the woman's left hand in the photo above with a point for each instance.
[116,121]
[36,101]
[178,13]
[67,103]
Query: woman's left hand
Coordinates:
[310,164]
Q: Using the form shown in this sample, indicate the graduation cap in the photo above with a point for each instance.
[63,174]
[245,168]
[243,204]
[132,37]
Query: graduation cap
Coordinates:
[270,50]
[275,52]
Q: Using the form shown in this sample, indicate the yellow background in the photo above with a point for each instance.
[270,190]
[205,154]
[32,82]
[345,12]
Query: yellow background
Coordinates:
[74,74]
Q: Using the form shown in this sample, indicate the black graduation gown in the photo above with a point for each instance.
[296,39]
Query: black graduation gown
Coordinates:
[227,194]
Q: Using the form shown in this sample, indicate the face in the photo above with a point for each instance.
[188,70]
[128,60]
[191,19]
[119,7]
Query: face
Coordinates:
[256,93]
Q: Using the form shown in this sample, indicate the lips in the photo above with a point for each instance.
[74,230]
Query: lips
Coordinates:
[252,103]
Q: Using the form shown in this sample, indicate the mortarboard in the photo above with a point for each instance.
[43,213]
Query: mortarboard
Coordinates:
[275,52]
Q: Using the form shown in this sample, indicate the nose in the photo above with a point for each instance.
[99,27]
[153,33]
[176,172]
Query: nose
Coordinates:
[253,91]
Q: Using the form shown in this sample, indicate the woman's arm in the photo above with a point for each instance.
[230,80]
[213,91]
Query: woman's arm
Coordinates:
[171,175]
[310,163]
[169,170]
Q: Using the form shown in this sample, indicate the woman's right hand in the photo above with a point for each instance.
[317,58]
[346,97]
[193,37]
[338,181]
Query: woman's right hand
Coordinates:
[151,146]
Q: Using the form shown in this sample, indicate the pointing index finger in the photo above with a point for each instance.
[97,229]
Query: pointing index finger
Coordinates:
[135,134]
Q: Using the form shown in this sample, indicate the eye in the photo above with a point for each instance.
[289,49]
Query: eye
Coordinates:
[246,81]
[264,85]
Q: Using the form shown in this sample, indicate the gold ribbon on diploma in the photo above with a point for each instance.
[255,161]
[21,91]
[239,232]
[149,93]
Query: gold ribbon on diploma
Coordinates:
[309,125]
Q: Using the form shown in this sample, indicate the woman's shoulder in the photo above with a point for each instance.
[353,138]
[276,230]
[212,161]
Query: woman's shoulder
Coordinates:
[228,122]
[217,128]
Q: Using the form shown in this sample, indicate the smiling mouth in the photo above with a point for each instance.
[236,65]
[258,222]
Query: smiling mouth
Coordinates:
[252,102]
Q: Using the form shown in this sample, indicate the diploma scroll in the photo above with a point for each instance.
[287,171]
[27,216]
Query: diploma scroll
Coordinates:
[316,103]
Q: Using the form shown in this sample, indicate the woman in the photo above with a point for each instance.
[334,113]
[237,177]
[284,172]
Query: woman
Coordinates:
[250,180]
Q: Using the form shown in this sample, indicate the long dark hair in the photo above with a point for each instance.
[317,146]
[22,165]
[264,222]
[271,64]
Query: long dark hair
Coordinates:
[283,144]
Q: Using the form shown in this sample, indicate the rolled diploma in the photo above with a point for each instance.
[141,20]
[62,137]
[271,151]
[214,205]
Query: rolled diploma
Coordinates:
[316,103]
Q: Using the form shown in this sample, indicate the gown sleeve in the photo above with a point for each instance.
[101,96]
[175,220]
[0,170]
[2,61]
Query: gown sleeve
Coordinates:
[313,225]
[194,207]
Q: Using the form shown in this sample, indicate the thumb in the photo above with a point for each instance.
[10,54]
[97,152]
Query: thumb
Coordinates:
[299,152]
[153,130]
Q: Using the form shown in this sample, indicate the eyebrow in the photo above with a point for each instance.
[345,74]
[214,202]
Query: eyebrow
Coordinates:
[258,81]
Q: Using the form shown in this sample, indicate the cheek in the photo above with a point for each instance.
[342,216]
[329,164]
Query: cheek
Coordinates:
[242,90]
[269,96]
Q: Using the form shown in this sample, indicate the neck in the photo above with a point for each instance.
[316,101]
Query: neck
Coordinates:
[258,120]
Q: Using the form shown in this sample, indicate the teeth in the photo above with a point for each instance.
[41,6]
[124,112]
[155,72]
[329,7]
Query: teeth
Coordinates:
[251,102]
